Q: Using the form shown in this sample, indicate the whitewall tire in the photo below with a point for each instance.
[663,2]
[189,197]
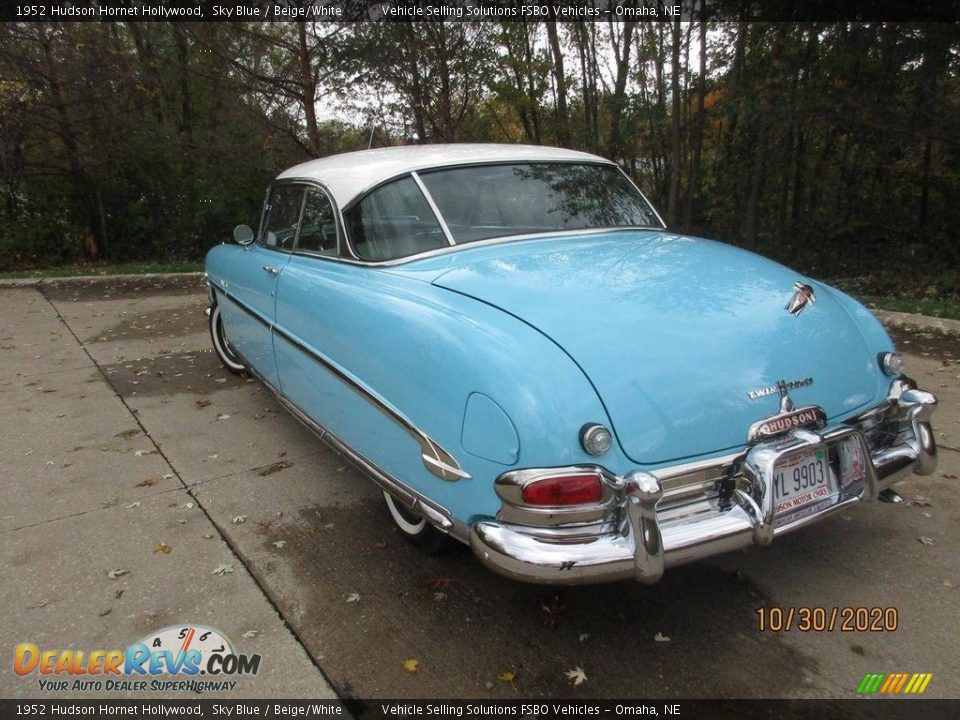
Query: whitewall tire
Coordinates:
[221,344]
[414,528]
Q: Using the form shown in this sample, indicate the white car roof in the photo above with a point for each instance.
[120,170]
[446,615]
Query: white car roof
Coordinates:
[348,175]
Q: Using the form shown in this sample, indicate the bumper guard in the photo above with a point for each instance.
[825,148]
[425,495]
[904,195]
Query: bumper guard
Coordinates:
[643,539]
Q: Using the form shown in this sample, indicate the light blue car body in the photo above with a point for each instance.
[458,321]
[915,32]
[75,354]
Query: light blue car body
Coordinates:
[502,352]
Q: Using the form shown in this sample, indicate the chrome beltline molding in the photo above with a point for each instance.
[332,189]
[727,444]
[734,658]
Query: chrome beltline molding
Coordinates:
[435,458]
[434,512]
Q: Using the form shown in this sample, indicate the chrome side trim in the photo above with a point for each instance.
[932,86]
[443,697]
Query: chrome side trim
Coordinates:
[246,308]
[435,458]
[434,512]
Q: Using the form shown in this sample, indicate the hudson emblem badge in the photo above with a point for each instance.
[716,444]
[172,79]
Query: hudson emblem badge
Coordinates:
[789,418]
[802,296]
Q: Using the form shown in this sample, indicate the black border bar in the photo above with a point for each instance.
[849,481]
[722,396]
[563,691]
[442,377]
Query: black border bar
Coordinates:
[478,10]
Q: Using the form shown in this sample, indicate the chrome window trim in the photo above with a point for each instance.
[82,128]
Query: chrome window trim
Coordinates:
[348,206]
[487,242]
[435,458]
[266,211]
[336,222]
[342,243]
[415,174]
[640,193]
[434,208]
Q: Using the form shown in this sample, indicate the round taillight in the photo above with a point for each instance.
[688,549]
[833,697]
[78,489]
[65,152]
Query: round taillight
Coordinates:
[564,490]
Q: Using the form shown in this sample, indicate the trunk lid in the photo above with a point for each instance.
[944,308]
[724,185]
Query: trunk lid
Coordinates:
[674,332]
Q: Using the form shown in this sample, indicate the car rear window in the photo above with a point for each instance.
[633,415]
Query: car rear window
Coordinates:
[488,201]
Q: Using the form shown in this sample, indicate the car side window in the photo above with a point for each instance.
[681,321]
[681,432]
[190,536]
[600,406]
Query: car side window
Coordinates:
[282,217]
[394,221]
[318,228]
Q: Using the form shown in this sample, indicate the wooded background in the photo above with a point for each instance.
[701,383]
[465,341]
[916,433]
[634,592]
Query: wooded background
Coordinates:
[832,147]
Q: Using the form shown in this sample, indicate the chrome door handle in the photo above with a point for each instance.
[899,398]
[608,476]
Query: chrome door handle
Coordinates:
[270,269]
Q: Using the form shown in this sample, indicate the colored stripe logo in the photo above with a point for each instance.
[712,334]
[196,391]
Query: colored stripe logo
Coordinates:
[894,683]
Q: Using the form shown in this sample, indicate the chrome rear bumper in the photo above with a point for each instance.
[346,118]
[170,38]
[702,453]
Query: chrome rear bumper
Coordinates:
[642,533]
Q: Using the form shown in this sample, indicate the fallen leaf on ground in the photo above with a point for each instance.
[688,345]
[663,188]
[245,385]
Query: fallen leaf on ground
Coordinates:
[162,548]
[249,634]
[411,666]
[353,597]
[576,676]
[279,543]
[507,676]
[926,540]
[920,501]
[239,519]
[104,613]
[188,506]
[223,569]
[133,505]
[203,403]
[222,416]
[660,637]
[950,476]
[114,574]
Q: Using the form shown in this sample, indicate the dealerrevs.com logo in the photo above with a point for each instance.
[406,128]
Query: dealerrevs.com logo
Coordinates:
[192,658]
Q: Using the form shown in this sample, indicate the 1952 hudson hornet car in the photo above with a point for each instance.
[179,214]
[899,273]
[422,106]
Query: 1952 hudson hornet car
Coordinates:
[512,345]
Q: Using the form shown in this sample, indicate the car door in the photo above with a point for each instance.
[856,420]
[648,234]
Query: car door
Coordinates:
[329,313]
[250,316]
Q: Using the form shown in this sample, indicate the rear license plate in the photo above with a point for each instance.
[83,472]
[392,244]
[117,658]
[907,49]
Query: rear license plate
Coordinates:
[801,482]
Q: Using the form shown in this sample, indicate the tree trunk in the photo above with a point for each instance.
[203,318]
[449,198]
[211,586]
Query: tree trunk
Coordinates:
[672,209]
[308,82]
[186,99]
[925,181]
[693,189]
[95,235]
[560,80]
[618,99]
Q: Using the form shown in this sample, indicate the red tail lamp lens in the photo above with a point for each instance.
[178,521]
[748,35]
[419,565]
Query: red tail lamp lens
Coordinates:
[567,490]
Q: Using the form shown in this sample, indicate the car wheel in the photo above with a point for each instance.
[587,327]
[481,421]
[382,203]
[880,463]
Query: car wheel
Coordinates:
[415,528]
[221,345]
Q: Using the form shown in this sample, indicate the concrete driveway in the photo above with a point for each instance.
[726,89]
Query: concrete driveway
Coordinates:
[121,432]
